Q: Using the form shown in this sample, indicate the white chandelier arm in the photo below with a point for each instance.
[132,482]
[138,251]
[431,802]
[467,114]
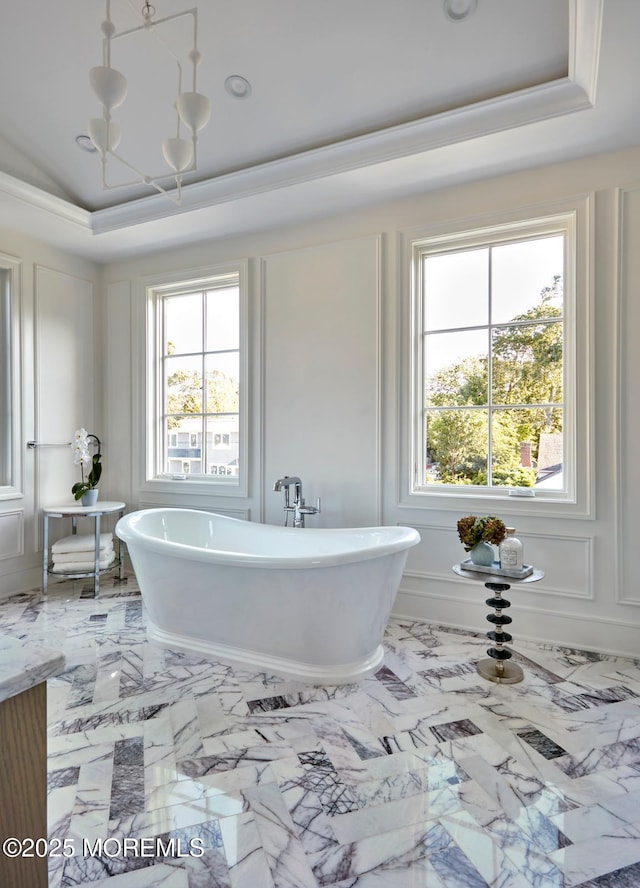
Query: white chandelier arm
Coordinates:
[146,180]
[192,108]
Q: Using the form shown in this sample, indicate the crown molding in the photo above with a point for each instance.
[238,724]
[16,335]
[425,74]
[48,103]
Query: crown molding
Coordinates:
[31,196]
[472,122]
[585,40]
[554,99]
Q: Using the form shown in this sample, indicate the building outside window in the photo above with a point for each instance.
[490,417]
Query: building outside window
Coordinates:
[493,360]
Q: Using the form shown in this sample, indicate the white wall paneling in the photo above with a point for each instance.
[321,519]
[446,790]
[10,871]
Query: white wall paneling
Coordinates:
[115,314]
[56,355]
[65,378]
[567,561]
[627,433]
[322,379]
[11,371]
[11,534]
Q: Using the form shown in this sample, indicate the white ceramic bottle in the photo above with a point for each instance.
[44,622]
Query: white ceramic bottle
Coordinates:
[511,551]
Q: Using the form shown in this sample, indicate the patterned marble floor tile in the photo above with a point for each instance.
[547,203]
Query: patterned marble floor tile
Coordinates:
[421,776]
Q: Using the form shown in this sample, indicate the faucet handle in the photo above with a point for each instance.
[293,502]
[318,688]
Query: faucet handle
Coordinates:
[310,510]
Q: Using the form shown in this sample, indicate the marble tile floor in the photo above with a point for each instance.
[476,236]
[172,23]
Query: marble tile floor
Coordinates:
[423,776]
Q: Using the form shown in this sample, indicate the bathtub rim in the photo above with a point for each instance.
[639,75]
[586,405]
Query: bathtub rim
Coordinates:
[401,538]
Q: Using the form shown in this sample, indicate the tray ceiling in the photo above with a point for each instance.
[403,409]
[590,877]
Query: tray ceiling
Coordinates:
[359,97]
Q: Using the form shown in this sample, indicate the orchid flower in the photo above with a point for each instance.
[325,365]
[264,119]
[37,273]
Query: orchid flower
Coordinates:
[80,447]
[82,458]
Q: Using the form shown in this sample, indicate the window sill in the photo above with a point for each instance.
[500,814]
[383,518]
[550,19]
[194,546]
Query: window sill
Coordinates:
[541,505]
[196,485]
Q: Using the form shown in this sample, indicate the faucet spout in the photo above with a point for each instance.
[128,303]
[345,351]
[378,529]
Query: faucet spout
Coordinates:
[287,481]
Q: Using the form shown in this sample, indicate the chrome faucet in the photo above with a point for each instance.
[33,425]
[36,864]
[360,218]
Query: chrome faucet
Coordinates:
[298,506]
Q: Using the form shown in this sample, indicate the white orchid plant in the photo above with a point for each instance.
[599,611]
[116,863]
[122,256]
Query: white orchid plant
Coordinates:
[82,457]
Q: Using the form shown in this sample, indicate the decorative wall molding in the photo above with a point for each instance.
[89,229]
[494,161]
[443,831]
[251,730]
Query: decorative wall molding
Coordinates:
[626,423]
[11,534]
[64,377]
[260,392]
[12,375]
[379,393]
[575,551]
[142,294]
[580,209]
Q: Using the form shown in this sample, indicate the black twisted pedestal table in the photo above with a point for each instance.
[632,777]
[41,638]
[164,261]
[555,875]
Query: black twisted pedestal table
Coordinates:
[498,667]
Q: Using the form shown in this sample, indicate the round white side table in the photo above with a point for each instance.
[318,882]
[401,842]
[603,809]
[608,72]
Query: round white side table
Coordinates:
[497,667]
[74,512]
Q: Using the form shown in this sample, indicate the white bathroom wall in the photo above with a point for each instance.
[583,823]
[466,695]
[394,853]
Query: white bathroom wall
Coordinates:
[321,379]
[57,393]
[327,302]
[65,378]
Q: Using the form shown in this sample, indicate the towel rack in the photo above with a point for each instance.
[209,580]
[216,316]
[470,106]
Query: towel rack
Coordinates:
[34,444]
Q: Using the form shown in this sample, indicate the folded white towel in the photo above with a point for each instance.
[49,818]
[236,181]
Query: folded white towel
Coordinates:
[82,542]
[81,566]
[70,557]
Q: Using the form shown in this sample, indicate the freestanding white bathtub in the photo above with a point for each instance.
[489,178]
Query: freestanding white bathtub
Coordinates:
[306,604]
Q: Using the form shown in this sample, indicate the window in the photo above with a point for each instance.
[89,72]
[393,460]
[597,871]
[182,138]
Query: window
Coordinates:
[196,378]
[493,361]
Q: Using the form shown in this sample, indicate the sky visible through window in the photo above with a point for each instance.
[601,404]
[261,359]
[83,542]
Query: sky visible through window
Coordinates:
[457,293]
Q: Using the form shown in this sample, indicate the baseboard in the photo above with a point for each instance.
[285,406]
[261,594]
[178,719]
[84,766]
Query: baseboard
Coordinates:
[20,581]
[603,635]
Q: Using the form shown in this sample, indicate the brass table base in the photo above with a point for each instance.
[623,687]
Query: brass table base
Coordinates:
[501,671]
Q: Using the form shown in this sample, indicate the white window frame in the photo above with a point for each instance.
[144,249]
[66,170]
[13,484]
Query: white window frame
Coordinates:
[571,218]
[12,437]
[155,288]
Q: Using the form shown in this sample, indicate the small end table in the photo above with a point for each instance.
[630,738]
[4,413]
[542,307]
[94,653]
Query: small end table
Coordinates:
[74,512]
[497,667]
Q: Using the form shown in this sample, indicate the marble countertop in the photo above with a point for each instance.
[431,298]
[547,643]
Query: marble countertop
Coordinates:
[23,665]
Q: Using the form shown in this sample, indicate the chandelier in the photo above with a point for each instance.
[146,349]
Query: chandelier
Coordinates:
[192,109]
